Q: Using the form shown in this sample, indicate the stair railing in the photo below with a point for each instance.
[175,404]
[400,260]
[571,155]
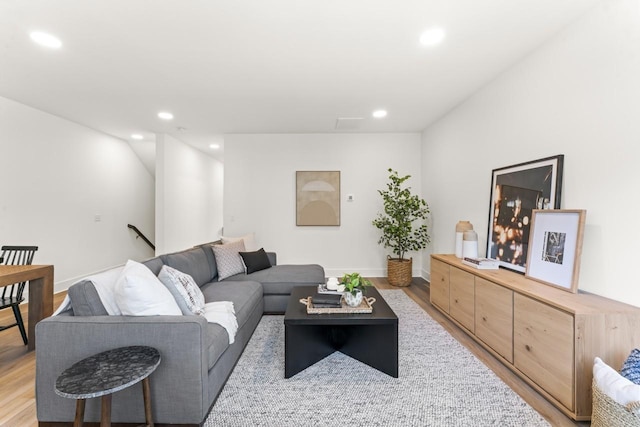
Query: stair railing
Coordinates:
[142,236]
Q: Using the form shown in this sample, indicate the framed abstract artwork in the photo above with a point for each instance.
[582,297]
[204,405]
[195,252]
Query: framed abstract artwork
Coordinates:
[555,247]
[515,192]
[318,198]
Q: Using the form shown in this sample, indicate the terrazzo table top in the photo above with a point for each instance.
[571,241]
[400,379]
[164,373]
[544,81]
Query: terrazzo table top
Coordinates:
[107,372]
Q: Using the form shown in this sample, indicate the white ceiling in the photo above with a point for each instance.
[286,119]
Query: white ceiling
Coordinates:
[280,66]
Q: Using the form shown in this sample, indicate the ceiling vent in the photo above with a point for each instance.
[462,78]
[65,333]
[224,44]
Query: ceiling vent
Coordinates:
[348,123]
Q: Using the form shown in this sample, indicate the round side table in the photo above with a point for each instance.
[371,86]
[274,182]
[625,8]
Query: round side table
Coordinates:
[103,374]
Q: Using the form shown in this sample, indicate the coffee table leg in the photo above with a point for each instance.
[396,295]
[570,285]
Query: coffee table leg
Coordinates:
[305,345]
[79,413]
[374,345]
[105,419]
[146,393]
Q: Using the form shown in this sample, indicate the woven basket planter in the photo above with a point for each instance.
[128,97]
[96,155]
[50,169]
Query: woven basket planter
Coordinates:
[399,272]
[607,413]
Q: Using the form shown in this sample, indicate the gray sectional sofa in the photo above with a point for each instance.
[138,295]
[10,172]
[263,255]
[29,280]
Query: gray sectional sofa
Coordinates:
[196,356]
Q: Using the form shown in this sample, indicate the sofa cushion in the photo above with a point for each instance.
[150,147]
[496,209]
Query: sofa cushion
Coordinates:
[184,289]
[193,262]
[105,286]
[85,300]
[217,343]
[212,261]
[140,293]
[228,259]
[154,264]
[255,261]
[281,279]
[244,295]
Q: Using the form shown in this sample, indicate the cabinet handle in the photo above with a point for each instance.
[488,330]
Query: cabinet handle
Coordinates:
[527,347]
[456,301]
[484,319]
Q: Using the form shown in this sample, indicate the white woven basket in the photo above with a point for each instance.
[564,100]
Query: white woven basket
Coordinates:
[608,413]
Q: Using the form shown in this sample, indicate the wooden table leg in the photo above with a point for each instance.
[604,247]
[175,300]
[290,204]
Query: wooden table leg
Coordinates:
[105,418]
[79,413]
[146,393]
[40,304]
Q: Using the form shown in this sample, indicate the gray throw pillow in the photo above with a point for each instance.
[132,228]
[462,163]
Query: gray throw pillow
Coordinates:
[184,290]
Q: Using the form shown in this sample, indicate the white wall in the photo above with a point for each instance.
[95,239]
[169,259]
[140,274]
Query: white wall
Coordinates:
[577,95]
[188,196]
[259,194]
[55,177]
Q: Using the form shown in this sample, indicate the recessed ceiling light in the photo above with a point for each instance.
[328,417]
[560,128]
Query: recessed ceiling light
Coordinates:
[44,39]
[137,136]
[432,37]
[214,146]
[379,114]
[165,115]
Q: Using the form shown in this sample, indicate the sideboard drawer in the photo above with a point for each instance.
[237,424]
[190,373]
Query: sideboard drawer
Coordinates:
[440,284]
[494,317]
[462,298]
[543,347]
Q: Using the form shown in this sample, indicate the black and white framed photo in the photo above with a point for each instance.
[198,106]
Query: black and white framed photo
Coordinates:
[555,247]
[515,192]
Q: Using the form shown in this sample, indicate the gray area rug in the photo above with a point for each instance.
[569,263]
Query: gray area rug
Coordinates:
[441,384]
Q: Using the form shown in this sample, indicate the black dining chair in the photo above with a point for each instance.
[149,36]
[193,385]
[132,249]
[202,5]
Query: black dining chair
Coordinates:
[12,294]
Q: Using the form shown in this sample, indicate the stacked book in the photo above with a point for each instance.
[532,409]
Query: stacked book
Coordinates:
[482,263]
[326,300]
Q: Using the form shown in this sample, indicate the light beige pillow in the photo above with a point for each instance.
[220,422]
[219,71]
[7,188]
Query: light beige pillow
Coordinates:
[248,239]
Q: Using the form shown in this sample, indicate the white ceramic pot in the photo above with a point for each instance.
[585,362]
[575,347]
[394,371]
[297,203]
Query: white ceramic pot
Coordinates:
[353,300]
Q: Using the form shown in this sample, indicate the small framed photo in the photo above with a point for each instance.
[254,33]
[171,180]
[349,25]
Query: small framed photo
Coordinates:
[555,247]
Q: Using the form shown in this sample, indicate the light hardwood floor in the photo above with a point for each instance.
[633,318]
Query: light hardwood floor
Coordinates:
[17,366]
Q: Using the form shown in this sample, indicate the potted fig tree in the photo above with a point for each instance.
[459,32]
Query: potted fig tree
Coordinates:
[403,226]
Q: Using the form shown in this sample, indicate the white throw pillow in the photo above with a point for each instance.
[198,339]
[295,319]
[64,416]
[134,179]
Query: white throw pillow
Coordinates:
[228,259]
[188,293]
[248,239]
[140,293]
[615,385]
[105,284]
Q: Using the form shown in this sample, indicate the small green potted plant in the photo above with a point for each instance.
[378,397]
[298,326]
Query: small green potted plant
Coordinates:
[354,285]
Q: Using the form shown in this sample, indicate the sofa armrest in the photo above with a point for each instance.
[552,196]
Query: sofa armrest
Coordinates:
[181,341]
[272,258]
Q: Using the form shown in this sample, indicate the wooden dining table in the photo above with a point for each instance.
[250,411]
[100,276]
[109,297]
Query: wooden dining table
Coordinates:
[40,278]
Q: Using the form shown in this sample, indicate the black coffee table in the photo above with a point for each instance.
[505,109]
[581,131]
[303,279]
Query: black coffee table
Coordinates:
[370,338]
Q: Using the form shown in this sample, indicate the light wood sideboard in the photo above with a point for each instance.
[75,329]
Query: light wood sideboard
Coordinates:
[547,336]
